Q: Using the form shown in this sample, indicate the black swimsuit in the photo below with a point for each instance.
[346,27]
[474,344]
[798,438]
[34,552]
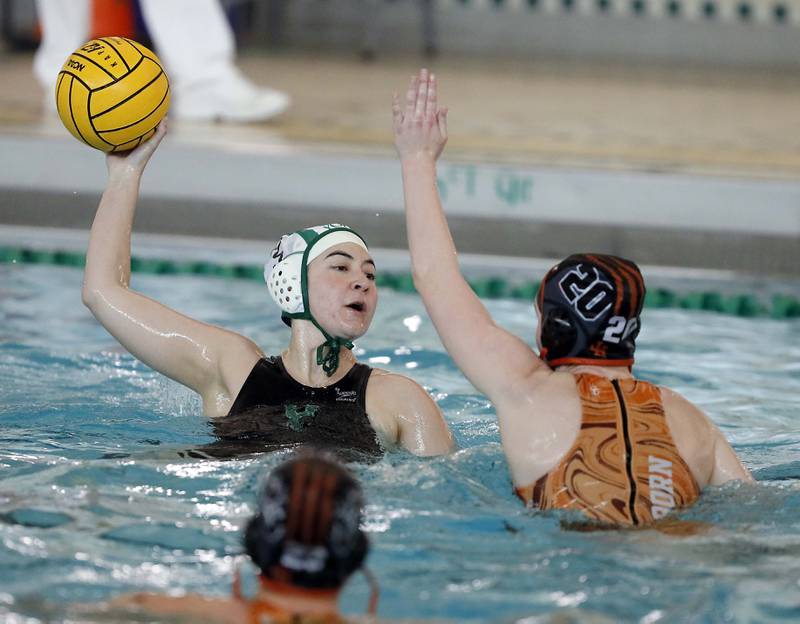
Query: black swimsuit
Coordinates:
[274,411]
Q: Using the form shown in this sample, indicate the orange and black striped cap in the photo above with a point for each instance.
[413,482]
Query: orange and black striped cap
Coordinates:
[307,532]
[589,307]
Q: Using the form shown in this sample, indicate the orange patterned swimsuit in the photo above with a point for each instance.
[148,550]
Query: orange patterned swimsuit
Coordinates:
[265,613]
[624,468]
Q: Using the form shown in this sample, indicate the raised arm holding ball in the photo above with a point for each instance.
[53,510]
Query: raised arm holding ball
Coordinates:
[315,392]
[579,431]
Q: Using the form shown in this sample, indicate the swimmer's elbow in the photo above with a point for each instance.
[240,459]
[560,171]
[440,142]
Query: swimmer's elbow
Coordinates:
[93,294]
[428,282]
[420,276]
[89,296]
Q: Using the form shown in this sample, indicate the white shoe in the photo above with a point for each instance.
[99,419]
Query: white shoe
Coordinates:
[232,98]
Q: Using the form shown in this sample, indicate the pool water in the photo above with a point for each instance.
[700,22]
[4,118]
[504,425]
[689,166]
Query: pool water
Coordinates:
[95,500]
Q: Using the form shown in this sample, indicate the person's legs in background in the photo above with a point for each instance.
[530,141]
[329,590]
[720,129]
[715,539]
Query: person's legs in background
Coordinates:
[65,27]
[195,41]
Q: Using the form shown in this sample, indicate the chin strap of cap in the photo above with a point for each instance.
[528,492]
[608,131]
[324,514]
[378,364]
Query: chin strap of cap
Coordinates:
[328,353]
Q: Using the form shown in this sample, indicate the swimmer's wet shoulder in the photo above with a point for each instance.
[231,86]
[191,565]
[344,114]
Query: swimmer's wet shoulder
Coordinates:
[709,454]
[539,419]
[405,414]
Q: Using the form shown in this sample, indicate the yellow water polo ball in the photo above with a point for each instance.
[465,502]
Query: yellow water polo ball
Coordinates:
[111,94]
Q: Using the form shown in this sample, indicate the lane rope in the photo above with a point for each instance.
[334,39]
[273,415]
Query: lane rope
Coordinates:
[781,306]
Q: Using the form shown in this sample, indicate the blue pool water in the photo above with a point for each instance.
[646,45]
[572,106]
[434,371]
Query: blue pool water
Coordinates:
[450,541]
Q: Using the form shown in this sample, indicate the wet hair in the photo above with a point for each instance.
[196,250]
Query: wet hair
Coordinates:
[589,307]
[307,530]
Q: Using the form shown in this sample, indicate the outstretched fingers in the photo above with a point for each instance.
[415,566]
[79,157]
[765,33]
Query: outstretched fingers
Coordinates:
[421,101]
[420,126]
[441,121]
[411,98]
[422,95]
[430,106]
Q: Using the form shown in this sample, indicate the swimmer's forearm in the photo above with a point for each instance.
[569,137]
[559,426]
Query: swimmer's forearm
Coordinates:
[108,259]
[433,253]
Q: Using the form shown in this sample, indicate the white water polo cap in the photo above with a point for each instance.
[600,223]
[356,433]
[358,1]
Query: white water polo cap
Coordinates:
[286,275]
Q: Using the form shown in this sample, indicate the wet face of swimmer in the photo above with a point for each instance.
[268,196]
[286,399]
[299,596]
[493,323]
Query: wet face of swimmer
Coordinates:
[341,290]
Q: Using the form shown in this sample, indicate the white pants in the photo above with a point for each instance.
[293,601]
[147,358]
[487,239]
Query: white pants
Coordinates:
[192,37]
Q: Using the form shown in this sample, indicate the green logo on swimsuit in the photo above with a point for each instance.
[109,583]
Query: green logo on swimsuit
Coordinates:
[295,415]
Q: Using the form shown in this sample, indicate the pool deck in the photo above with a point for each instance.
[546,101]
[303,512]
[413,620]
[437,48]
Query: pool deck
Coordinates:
[670,166]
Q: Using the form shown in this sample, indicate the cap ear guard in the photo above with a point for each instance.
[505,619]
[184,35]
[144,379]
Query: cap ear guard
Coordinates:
[345,566]
[559,333]
[284,283]
[347,543]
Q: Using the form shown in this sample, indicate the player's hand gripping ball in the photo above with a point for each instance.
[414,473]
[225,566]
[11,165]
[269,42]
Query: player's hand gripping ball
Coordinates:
[111,94]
